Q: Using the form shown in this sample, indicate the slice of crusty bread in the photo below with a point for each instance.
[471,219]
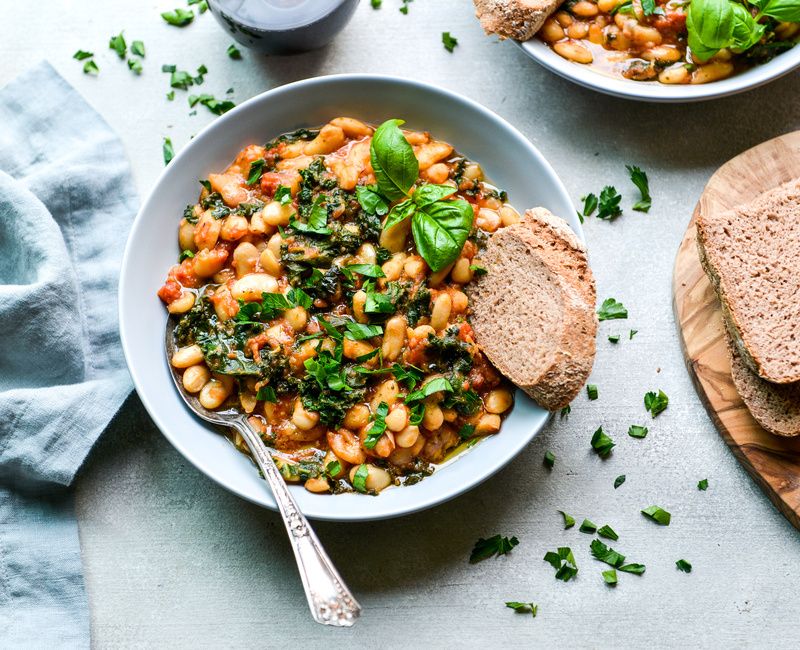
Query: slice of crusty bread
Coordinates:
[517,19]
[534,311]
[776,407]
[751,254]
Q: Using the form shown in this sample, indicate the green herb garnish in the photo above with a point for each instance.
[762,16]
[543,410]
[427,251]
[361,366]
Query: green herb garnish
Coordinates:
[659,515]
[185,255]
[638,177]
[619,481]
[609,203]
[656,402]
[90,67]
[703,484]
[611,309]
[234,52]
[608,532]
[635,431]
[167,150]
[588,526]
[449,41]
[135,66]
[563,561]
[632,334]
[589,205]
[378,427]
[591,391]
[684,566]
[495,545]
[80,55]
[267,394]
[549,459]
[178,17]
[601,443]
[569,520]
[117,43]
[606,554]
[523,608]
[137,48]
[614,338]
[360,478]
[256,167]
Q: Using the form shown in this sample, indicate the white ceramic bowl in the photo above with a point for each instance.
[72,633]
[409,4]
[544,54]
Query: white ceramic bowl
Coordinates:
[509,160]
[588,77]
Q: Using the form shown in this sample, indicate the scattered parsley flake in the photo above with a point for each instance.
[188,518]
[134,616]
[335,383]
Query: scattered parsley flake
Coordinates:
[703,485]
[588,527]
[267,394]
[563,561]
[376,4]
[606,554]
[611,309]
[632,334]
[178,17]
[135,66]
[549,459]
[360,478]
[234,52]
[569,520]
[639,179]
[610,576]
[494,546]
[168,151]
[404,8]
[186,254]
[619,481]
[523,608]
[609,203]
[614,338]
[566,410]
[449,41]
[608,532]
[635,431]
[591,391]
[656,402]
[170,95]
[589,205]
[80,55]
[601,443]
[117,43]
[637,569]
[684,566]
[90,67]
[659,515]
[137,48]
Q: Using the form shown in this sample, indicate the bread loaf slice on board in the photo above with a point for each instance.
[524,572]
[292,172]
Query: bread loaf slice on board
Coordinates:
[776,407]
[751,255]
[517,19]
[534,311]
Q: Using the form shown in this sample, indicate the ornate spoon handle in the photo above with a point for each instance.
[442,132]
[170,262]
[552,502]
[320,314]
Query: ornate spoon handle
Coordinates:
[329,599]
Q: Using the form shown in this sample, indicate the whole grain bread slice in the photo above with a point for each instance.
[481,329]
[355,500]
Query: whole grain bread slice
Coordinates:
[751,256]
[776,407]
[534,311]
[517,19]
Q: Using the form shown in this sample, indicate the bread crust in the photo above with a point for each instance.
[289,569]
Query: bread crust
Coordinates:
[715,256]
[542,270]
[517,19]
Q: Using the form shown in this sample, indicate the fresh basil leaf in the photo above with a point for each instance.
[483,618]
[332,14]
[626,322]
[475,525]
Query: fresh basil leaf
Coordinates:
[746,30]
[378,427]
[428,193]
[610,577]
[703,485]
[393,161]
[659,515]
[709,24]
[608,532]
[360,478]
[619,481]
[117,43]
[400,212]
[684,566]
[256,169]
[549,459]
[167,150]
[411,375]
[588,526]
[371,202]
[449,41]
[436,385]
[178,17]
[611,309]
[495,545]
[569,520]
[359,331]
[267,394]
[317,218]
[635,431]
[787,11]
[368,270]
[639,179]
[601,443]
[656,402]
[440,231]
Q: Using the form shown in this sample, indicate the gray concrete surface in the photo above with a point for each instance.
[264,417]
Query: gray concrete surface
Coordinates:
[172,560]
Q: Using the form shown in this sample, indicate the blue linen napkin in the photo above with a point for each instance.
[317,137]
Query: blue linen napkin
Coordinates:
[66,203]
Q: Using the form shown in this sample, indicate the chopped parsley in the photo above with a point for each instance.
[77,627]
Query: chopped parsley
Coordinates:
[360,478]
[635,431]
[610,577]
[404,8]
[563,561]
[334,468]
[606,554]
[135,66]
[608,532]
[566,410]
[655,402]
[256,167]
[619,481]
[80,55]
[614,338]
[378,427]
[90,67]
[591,391]
[494,546]
[216,106]
[178,17]
[523,608]
[449,41]
[170,95]
[611,309]
[632,334]
[601,443]
[659,515]
[684,566]
[639,178]
[267,394]
[569,520]
[436,385]
[703,484]
[376,4]
[549,459]
[137,48]
[588,527]
[608,203]
[168,151]
[185,255]
[117,43]
[638,569]
[234,52]
[359,331]
[589,205]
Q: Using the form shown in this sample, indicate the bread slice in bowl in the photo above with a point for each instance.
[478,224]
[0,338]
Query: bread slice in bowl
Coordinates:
[533,312]
[751,255]
[517,19]
[776,407]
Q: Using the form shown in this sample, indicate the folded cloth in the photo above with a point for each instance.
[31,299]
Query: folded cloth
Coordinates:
[66,202]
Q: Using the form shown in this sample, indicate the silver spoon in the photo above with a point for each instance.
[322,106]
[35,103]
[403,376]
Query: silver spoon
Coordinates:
[329,599]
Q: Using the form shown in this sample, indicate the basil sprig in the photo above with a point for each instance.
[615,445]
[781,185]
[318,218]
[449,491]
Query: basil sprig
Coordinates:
[440,226]
[716,24]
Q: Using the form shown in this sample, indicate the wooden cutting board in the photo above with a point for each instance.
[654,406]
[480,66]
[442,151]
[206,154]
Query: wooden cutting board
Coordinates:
[774,462]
